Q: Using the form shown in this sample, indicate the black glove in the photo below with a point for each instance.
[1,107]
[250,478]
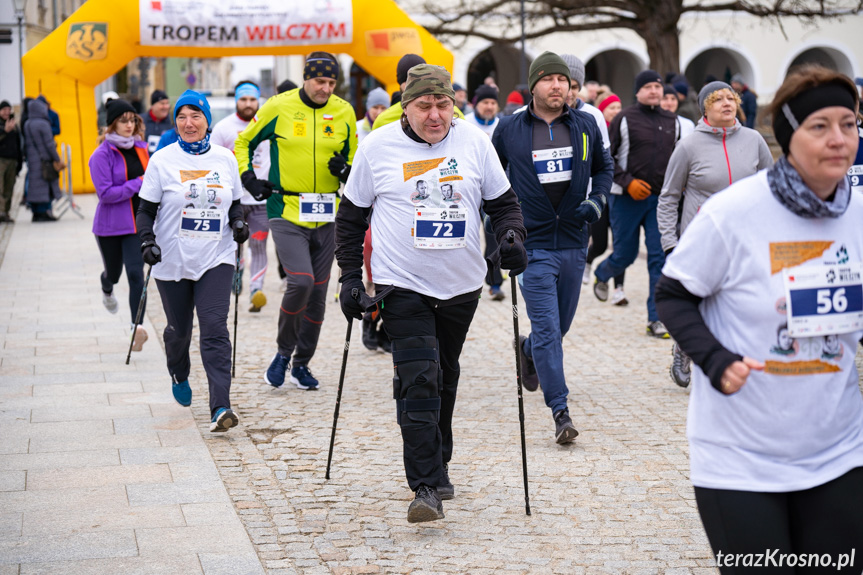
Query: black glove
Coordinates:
[513,256]
[339,167]
[241,231]
[353,298]
[668,252]
[589,211]
[260,189]
[151,253]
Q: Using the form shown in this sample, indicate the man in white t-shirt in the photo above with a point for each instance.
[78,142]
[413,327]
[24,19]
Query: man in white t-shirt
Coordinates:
[247,97]
[427,259]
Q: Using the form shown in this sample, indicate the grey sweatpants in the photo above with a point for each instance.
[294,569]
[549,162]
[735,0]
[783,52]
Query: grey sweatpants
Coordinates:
[259,230]
[307,257]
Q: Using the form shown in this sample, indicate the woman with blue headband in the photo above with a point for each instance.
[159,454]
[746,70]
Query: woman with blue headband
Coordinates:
[190,239]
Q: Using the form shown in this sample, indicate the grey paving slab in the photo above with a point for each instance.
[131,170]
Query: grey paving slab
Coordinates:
[83,546]
[97,476]
[13,480]
[238,564]
[180,565]
[47,522]
[29,461]
[9,569]
[69,406]
[231,539]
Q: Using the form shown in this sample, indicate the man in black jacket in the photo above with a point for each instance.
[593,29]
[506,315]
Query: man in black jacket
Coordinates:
[427,260]
[10,159]
[551,153]
[643,136]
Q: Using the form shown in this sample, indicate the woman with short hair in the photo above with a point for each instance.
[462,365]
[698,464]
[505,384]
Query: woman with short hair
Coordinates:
[117,169]
[193,249]
[776,431]
[720,152]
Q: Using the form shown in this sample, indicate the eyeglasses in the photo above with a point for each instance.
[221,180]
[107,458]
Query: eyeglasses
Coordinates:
[126,120]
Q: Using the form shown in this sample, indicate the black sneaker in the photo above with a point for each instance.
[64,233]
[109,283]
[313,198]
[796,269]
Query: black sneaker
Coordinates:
[529,378]
[446,491]
[426,506]
[370,333]
[564,430]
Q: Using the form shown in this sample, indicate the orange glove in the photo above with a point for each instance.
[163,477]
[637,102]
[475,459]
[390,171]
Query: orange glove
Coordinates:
[638,189]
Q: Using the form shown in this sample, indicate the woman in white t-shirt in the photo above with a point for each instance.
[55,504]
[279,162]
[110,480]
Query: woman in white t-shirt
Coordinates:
[764,293]
[190,221]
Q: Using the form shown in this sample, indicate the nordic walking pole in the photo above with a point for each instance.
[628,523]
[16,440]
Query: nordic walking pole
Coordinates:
[341,385]
[511,239]
[236,299]
[156,252]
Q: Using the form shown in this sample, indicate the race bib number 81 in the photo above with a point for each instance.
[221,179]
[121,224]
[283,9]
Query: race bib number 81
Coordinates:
[824,299]
[440,228]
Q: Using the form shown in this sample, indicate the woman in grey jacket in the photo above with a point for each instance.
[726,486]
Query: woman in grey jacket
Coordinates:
[41,148]
[720,152]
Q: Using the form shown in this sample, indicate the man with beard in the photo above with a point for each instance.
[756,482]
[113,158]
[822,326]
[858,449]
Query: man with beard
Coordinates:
[247,96]
[312,135]
[552,152]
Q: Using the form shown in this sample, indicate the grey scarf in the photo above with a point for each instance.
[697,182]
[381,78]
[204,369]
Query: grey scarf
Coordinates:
[792,192]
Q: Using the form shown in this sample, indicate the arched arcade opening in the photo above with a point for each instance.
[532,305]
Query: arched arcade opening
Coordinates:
[825,56]
[721,63]
[499,61]
[617,68]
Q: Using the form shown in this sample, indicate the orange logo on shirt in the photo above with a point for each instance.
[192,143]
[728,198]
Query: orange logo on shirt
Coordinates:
[790,254]
[186,175]
[414,169]
[799,367]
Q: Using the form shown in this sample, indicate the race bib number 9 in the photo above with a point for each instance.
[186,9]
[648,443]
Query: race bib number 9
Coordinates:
[317,207]
[824,300]
[440,228]
[855,174]
[553,165]
[203,224]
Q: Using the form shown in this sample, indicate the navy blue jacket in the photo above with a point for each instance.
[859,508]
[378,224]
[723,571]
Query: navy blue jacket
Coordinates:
[547,228]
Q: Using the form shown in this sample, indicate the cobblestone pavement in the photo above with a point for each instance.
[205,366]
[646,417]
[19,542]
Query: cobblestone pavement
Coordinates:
[618,500]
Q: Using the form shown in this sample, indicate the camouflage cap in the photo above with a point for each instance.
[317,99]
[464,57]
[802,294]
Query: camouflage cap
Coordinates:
[425,79]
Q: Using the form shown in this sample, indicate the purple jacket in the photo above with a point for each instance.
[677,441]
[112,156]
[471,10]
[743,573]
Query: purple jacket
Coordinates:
[114,214]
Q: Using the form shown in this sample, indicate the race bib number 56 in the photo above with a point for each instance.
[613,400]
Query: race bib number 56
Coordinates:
[824,300]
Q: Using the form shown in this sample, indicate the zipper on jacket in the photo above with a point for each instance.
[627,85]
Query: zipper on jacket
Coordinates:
[727,161]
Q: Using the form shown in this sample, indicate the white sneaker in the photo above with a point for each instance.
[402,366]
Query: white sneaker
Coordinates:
[618,297]
[284,285]
[110,302]
[140,337]
[585,279]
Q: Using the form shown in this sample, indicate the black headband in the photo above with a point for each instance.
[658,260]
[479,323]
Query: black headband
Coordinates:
[321,68]
[795,111]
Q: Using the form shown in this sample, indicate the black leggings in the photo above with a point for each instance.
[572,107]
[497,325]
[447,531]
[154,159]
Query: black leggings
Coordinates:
[599,243]
[118,251]
[823,520]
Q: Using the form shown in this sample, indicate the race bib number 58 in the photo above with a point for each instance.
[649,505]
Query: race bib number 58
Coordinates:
[824,300]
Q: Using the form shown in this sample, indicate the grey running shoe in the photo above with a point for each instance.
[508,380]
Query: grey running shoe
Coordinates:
[681,367]
[426,506]
[600,290]
[110,302]
[446,491]
[619,297]
[657,329]
[564,430]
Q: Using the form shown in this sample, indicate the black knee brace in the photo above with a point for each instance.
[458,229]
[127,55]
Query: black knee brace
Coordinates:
[417,379]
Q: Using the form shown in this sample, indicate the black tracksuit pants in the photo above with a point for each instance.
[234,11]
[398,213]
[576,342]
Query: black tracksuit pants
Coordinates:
[211,297]
[409,314]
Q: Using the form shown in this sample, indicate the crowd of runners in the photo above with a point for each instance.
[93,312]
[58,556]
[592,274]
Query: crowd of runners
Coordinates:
[429,202]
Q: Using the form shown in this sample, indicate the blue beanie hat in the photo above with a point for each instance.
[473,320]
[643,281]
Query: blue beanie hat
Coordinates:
[196,100]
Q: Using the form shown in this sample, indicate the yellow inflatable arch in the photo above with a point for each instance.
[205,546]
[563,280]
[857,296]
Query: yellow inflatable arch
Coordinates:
[104,35]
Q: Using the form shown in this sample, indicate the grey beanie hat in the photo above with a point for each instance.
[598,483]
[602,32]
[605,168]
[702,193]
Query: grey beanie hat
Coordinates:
[738,78]
[576,68]
[709,89]
[378,97]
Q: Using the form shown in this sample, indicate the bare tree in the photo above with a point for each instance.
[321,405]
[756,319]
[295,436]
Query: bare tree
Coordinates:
[655,21]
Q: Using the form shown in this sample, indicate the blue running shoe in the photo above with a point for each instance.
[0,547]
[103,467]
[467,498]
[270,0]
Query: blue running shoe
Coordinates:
[275,375]
[224,420]
[182,393]
[301,376]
